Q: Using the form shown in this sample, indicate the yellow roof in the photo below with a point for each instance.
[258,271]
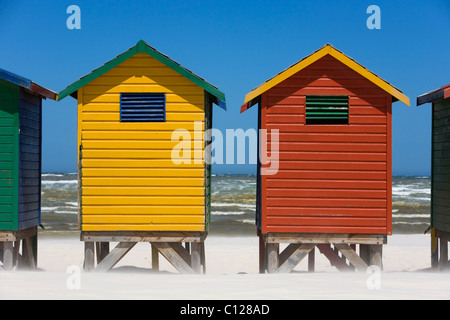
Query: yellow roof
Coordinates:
[327,49]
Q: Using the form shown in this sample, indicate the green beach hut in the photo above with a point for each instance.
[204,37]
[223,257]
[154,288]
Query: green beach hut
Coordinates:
[20,167]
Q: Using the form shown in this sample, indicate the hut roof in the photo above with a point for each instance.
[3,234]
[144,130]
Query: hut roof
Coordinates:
[441,93]
[328,49]
[143,47]
[27,84]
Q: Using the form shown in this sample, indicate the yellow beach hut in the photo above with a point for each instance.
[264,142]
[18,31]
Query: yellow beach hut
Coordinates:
[133,113]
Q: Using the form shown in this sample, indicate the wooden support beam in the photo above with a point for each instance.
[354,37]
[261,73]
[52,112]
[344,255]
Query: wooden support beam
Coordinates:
[114,256]
[333,257]
[16,235]
[325,238]
[143,236]
[173,257]
[294,256]
[287,252]
[351,255]
[181,251]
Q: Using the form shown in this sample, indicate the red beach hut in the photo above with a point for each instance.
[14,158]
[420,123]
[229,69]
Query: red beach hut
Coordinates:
[332,188]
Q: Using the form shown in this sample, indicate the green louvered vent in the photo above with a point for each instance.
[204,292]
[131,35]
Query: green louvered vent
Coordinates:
[326,109]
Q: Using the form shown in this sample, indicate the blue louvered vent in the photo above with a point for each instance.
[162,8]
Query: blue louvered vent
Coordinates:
[142,107]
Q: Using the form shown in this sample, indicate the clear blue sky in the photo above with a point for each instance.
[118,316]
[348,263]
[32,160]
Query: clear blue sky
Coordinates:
[236,45]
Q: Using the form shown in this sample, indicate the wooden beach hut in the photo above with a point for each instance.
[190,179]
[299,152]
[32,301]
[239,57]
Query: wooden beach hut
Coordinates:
[131,189]
[332,186]
[20,168]
[440,174]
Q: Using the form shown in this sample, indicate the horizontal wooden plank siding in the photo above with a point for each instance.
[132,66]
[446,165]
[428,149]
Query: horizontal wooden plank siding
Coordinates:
[440,217]
[30,119]
[8,155]
[331,178]
[129,181]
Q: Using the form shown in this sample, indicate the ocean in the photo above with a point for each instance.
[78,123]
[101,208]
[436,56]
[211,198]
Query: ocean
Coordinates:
[233,204]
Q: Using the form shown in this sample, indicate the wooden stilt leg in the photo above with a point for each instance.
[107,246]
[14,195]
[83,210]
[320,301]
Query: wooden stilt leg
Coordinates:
[353,246]
[203,256]
[97,252]
[155,258]
[89,256]
[24,261]
[272,254]
[8,255]
[104,247]
[262,255]
[434,250]
[34,248]
[376,255]
[196,260]
[312,260]
[16,253]
[102,250]
[364,253]
[443,252]
[28,253]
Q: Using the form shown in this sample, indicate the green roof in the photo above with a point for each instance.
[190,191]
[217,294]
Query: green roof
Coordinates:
[143,47]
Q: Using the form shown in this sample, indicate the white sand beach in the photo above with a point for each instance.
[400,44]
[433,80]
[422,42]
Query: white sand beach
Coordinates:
[232,273]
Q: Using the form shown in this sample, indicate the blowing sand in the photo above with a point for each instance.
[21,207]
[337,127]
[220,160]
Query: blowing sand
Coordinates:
[232,273]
